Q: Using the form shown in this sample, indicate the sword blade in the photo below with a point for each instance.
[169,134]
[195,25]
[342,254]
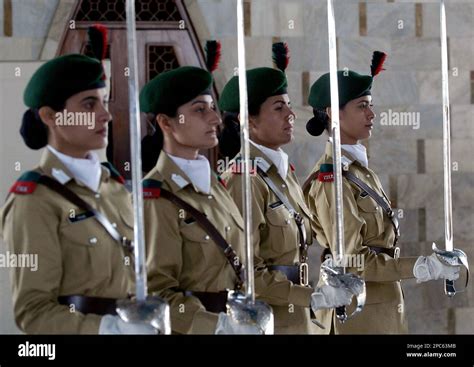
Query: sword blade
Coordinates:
[448,209]
[136,164]
[336,142]
[244,139]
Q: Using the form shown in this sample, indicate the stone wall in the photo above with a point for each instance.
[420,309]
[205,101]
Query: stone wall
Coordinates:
[408,159]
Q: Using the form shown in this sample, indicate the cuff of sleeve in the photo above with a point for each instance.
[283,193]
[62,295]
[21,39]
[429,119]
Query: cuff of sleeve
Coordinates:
[300,296]
[406,265]
[204,322]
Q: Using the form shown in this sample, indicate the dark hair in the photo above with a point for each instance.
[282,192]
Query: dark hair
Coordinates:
[33,130]
[320,122]
[152,144]
[229,137]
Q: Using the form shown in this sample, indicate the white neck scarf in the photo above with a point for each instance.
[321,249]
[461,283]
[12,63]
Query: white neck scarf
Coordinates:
[278,157]
[87,170]
[198,170]
[358,151]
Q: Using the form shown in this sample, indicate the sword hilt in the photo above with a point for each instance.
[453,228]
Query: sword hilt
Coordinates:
[456,257]
[341,314]
[449,288]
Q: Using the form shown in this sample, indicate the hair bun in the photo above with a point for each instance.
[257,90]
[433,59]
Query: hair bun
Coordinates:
[33,131]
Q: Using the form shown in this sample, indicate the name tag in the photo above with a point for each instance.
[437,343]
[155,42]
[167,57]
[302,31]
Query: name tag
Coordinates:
[81,216]
[276,204]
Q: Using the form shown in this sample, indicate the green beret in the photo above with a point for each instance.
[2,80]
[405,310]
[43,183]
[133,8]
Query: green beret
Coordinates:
[261,84]
[351,86]
[171,89]
[58,79]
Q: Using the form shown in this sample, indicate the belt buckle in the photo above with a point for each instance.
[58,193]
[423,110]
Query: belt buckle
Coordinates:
[304,274]
[396,252]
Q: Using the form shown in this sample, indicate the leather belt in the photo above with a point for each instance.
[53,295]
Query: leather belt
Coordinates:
[95,305]
[298,274]
[392,252]
[212,301]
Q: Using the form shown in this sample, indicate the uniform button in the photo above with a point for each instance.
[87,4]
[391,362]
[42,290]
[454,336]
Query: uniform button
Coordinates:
[93,240]
[97,196]
[367,175]
[376,208]
[114,225]
[227,229]
[287,221]
[210,197]
[283,185]
[206,237]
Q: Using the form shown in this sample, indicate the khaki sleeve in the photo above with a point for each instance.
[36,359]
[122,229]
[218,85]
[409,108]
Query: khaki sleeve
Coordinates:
[30,226]
[377,268]
[271,287]
[164,266]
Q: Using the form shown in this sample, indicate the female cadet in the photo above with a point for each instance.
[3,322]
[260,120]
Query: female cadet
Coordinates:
[370,228]
[281,220]
[193,229]
[52,212]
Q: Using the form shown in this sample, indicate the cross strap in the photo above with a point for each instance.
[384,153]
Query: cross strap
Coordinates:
[212,231]
[299,220]
[71,196]
[379,199]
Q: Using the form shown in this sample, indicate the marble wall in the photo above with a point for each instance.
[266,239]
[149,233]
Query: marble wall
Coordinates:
[408,158]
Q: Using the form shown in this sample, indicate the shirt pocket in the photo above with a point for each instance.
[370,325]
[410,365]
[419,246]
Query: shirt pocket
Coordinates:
[198,247]
[372,213]
[282,235]
[86,250]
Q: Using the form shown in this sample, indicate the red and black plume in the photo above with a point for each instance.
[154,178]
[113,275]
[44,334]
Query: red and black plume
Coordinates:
[213,55]
[280,55]
[98,41]
[378,58]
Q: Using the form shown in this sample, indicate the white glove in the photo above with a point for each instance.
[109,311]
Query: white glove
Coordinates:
[430,268]
[226,325]
[330,297]
[110,324]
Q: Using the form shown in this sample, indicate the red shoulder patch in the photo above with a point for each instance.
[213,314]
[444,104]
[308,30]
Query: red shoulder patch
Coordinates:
[326,176]
[292,167]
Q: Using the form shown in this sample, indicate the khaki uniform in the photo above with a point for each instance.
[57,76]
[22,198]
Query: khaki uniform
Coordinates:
[276,242]
[180,254]
[76,256]
[365,224]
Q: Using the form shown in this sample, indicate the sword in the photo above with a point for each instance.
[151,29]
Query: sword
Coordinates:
[450,255]
[244,308]
[153,310]
[336,150]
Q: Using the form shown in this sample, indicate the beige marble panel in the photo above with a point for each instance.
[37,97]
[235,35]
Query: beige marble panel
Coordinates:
[461,155]
[393,156]
[32,18]
[391,20]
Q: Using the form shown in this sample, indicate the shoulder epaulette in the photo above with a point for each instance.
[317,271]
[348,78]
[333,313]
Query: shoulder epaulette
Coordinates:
[26,184]
[221,180]
[326,173]
[151,188]
[114,173]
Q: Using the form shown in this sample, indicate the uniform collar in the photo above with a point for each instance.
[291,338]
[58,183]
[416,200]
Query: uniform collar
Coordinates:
[198,170]
[346,158]
[52,166]
[168,171]
[267,157]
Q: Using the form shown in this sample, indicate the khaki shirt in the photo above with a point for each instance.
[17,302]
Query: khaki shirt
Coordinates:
[75,256]
[180,255]
[365,224]
[276,242]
